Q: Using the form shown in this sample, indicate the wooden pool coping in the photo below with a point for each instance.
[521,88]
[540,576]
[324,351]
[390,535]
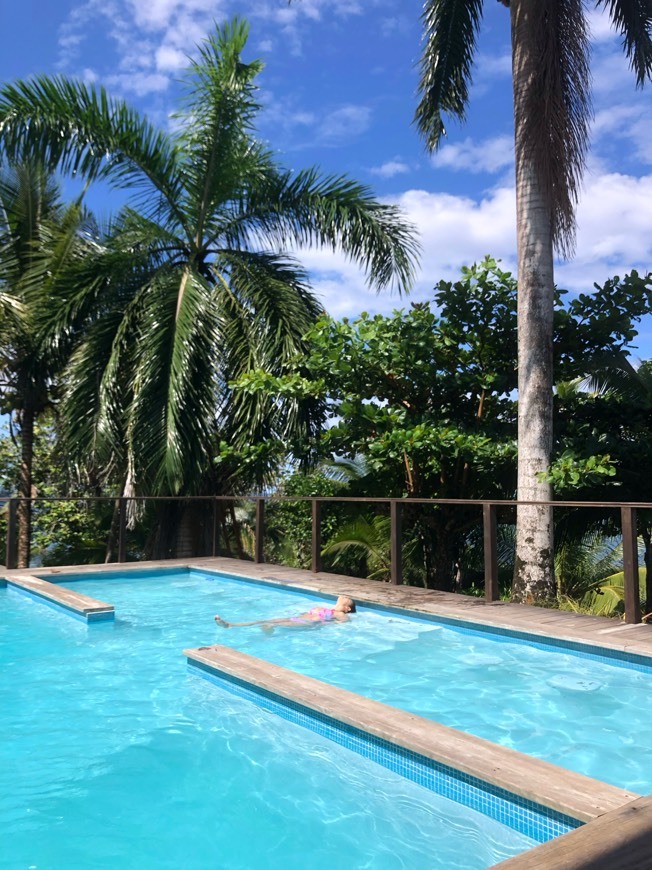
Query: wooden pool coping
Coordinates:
[619,840]
[82,606]
[543,623]
[564,791]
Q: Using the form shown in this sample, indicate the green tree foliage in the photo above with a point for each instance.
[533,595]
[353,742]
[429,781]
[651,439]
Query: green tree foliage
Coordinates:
[552,112]
[426,396]
[40,238]
[194,284]
[63,532]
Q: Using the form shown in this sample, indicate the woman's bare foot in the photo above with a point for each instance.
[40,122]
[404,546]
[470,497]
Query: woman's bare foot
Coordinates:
[222,622]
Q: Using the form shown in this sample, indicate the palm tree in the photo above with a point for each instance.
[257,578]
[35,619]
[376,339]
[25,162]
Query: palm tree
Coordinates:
[39,237]
[552,109]
[194,284]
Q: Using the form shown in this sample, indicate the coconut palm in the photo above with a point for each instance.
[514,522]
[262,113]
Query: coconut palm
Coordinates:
[39,237]
[552,109]
[195,283]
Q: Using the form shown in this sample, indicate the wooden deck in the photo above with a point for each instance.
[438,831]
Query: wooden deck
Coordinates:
[619,840]
[79,605]
[552,624]
[564,791]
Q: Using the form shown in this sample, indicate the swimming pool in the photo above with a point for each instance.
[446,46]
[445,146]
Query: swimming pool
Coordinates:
[114,757]
[582,713]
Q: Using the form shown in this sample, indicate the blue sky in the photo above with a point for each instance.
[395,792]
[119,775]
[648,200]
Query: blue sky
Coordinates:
[339,91]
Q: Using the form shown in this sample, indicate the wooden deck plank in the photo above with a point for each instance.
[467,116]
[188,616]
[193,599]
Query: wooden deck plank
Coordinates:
[610,634]
[562,790]
[82,605]
[618,840]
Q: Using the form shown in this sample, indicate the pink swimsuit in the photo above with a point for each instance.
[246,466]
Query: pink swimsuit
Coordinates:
[316,614]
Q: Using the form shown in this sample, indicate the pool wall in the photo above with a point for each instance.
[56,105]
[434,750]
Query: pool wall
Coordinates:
[64,600]
[529,795]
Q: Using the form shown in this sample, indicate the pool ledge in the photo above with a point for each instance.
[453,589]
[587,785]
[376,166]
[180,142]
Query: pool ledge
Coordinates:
[81,606]
[619,840]
[570,794]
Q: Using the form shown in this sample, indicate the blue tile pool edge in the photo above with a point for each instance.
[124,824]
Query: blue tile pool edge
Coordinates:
[594,652]
[536,821]
[94,616]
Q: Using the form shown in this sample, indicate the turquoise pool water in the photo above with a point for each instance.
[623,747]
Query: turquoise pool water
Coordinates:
[587,715]
[114,757]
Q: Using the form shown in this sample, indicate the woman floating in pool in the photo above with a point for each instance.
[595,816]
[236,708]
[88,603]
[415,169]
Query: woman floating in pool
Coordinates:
[315,616]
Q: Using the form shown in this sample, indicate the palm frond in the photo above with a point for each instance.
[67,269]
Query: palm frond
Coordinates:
[450,29]
[367,536]
[216,133]
[171,416]
[305,208]
[633,20]
[82,131]
[616,375]
[552,104]
[267,308]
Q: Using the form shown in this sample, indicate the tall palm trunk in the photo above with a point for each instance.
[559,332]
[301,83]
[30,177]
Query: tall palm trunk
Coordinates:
[533,568]
[28,416]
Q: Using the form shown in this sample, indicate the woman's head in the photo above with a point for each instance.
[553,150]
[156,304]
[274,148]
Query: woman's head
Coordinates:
[346,604]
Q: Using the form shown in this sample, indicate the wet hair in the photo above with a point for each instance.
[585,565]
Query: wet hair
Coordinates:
[353,608]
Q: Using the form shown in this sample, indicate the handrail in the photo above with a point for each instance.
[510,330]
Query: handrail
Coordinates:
[628,516]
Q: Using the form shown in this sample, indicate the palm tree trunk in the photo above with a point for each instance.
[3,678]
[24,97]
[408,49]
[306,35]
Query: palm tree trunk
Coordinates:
[111,554]
[28,416]
[533,568]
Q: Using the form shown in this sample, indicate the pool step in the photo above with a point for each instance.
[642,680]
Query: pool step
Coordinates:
[534,796]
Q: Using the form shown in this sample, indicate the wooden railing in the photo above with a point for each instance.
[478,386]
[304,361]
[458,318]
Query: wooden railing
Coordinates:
[396,506]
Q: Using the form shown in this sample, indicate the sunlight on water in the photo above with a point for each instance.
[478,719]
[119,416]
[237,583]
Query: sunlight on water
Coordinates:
[115,757]
[582,714]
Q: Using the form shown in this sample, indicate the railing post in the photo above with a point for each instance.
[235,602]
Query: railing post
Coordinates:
[396,550]
[12,532]
[214,533]
[316,536]
[630,566]
[490,552]
[122,530]
[259,553]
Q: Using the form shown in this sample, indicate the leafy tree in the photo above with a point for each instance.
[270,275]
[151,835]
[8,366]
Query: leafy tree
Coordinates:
[552,109]
[194,284]
[609,413]
[427,399]
[289,524]
[63,532]
[39,237]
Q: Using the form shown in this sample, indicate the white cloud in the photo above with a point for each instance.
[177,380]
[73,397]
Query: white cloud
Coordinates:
[146,35]
[138,83]
[170,59]
[157,15]
[629,121]
[614,229]
[600,26]
[489,155]
[492,66]
[614,236]
[396,24]
[391,168]
[611,75]
[344,123]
